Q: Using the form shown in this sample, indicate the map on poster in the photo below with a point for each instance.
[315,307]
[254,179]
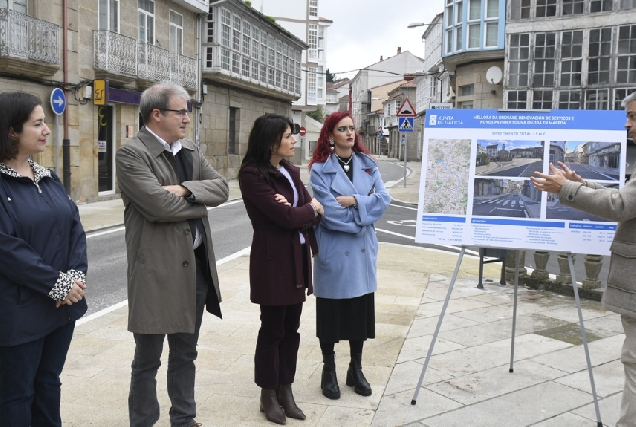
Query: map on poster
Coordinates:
[475,187]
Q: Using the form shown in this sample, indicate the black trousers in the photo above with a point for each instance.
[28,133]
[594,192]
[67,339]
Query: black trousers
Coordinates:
[277,345]
[143,405]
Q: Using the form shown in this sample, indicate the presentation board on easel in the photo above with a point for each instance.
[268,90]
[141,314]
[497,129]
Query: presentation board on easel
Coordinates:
[475,187]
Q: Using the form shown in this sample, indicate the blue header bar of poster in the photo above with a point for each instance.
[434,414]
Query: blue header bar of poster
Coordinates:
[506,120]
[592,226]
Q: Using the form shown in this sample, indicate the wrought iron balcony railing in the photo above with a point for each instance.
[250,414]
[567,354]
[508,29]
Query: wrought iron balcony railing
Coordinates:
[125,56]
[115,53]
[25,37]
[153,63]
[184,71]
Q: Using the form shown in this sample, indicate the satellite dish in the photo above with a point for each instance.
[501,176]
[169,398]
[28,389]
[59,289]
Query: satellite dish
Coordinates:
[494,75]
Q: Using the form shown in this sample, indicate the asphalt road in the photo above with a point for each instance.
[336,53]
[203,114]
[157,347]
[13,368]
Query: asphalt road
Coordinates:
[591,173]
[517,167]
[508,205]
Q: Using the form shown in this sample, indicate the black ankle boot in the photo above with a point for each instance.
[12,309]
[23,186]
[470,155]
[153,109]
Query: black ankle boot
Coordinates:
[355,377]
[329,381]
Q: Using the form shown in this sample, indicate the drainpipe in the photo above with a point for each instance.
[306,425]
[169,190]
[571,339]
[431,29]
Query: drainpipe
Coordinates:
[197,117]
[66,143]
[350,100]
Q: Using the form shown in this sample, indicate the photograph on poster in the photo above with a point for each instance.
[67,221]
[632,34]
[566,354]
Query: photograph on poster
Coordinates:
[509,158]
[593,160]
[505,198]
[447,173]
[555,210]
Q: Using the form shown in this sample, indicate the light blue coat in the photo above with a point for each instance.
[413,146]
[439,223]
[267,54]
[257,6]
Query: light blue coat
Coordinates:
[348,247]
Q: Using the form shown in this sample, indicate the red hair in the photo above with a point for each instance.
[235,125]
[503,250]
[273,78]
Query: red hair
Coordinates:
[322,149]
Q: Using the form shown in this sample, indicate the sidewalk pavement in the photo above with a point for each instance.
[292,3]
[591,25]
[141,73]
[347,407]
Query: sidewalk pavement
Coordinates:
[467,382]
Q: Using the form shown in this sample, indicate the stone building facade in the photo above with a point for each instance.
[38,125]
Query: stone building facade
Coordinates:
[114,49]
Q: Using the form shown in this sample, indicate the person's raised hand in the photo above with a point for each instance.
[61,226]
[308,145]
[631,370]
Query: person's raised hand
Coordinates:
[570,174]
[551,183]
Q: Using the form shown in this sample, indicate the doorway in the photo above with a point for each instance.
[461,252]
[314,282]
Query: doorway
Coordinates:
[105,148]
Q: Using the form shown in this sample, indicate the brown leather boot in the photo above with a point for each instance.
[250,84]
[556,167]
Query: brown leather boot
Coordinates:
[269,405]
[286,400]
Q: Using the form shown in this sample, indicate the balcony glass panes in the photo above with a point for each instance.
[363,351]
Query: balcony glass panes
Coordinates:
[226,19]
[225,59]
[492,34]
[626,65]
[518,56]
[600,6]
[236,34]
[236,63]
[619,95]
[492,8]
[571,58]
[474,31]
[544,53]
[313,8]
[596,99]
[627,40]
[546,8]
[517,99]
[247,38]
[210,22]
[542,100]
[520,9]
[600,44]
[245,67]
[251,53]
[628,4]
[570,100]
[626,69]
[474,9]
[256,44]
[573,7]
[459,38]
[449,41]
[458,12]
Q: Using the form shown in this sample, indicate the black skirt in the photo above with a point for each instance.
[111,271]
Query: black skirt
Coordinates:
[345,319]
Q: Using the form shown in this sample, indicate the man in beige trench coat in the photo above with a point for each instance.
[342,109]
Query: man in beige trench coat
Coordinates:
[620,293]
[166,185]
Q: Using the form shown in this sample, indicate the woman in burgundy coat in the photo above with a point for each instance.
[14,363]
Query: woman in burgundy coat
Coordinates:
[283,215]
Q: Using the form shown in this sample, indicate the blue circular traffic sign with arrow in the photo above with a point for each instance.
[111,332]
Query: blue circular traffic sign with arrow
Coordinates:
[58,101]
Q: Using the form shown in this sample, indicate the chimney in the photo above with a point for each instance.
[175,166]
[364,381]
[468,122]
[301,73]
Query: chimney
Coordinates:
[399,50]
[381,58]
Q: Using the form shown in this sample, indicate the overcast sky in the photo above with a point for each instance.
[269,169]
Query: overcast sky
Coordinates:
[364,30]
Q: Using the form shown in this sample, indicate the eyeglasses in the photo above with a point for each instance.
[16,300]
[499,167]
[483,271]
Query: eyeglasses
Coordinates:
[180,113]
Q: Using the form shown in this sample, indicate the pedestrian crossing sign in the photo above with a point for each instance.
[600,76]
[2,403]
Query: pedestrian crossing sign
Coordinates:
[405,124]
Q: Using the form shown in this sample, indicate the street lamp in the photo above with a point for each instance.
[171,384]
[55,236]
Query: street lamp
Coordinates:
[417,24]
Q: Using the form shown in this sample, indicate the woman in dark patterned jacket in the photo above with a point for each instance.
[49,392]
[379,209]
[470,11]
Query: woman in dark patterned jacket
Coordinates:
[42,273]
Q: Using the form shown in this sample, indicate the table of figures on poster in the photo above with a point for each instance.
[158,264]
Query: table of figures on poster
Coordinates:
[475,187]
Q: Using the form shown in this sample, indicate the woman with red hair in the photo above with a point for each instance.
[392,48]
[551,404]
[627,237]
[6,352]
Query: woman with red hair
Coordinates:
[346,181]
